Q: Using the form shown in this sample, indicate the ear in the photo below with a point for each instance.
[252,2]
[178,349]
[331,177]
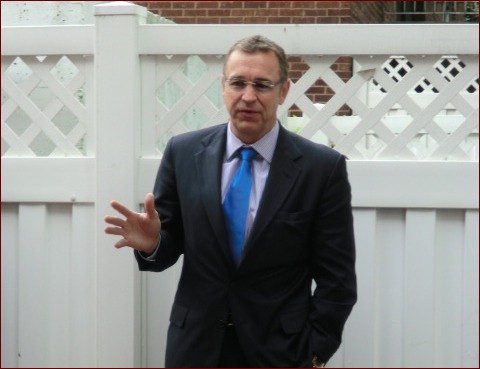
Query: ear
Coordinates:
[223,83]
[284,91]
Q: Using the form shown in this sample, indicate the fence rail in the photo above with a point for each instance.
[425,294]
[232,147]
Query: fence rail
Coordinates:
[86,112]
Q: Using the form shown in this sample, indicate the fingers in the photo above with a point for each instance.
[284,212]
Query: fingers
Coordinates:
[122,209]
[114,221]
[135,229]
[117,222]
[150,206]
[121,243]
[115,231]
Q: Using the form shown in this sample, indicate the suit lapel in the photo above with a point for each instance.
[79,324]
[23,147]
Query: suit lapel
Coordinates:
[208,163]
[284,171]
[283,174]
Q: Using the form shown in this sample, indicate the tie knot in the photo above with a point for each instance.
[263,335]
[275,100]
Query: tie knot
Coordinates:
[247,153]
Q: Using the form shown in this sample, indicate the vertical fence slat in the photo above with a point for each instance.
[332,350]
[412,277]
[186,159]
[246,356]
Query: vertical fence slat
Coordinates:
[82,287]
[449,250]
[419,300]
[32,281]
[389,261]
[10,307]
[469,341]
[56,250]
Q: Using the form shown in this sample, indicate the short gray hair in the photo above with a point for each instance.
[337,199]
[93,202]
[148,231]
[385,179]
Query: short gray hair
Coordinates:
[258,43]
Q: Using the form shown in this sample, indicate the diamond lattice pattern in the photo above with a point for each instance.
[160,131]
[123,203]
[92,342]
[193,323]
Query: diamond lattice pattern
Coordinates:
[43,108]
[402,107]
[413,108]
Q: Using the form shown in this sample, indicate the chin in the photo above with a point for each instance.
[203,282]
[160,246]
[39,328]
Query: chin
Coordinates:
[248,132]
[248,126]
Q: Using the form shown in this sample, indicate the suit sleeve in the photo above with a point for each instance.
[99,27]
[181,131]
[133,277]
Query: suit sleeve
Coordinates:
[167,205]
[333,264]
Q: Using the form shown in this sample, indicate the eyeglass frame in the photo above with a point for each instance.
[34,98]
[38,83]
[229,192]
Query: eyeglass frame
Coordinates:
[255,84]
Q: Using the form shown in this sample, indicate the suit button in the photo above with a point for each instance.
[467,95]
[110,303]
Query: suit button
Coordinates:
[227,322]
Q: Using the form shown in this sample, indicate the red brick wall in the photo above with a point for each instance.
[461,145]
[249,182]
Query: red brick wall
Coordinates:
[252,12]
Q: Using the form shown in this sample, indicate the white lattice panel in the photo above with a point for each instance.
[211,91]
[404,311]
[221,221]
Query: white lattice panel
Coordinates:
[44,113]
[188,94]
[422,90]
[43,105]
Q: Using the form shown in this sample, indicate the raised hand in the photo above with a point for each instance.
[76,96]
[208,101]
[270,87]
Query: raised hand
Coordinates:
[138,230]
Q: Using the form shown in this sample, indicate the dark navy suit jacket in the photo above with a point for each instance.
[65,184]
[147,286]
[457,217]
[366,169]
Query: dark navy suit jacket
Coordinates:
[303,232]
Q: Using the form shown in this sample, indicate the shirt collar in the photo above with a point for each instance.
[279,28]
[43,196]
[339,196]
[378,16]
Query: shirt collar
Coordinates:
[265,146]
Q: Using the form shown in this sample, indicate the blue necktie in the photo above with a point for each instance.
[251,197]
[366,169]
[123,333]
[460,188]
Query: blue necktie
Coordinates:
[235,205]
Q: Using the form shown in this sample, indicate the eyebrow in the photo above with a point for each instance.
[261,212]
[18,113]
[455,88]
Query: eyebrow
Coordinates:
[261,79]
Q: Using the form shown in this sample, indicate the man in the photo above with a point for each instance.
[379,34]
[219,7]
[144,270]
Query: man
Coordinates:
[245,299]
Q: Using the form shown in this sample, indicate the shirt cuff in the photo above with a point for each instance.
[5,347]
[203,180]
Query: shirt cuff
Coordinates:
[152,257]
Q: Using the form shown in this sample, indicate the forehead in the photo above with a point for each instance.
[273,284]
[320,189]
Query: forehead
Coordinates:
[253,65]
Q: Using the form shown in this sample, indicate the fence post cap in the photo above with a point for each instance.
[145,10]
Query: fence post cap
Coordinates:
[120,8]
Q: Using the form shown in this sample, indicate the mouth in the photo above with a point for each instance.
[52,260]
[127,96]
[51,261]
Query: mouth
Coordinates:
[248,112]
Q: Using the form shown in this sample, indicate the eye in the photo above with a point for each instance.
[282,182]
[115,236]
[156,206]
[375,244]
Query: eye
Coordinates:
[237,84]
[262,86]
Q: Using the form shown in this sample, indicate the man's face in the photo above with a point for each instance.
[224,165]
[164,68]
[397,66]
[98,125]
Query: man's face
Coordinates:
[253,111]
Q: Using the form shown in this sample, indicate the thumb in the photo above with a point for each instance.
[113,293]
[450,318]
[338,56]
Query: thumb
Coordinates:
[150,206]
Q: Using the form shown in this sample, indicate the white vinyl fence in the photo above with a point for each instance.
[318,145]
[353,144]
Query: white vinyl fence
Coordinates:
[86,113]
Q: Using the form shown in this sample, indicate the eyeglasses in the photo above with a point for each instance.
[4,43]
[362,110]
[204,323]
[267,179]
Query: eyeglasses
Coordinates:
[237,84]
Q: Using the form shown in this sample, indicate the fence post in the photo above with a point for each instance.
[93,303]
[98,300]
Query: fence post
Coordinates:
[118,116]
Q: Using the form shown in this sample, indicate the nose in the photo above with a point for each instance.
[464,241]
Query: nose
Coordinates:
[249,94]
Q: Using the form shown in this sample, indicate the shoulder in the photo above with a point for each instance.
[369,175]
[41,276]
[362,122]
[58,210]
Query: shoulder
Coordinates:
[198,138]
